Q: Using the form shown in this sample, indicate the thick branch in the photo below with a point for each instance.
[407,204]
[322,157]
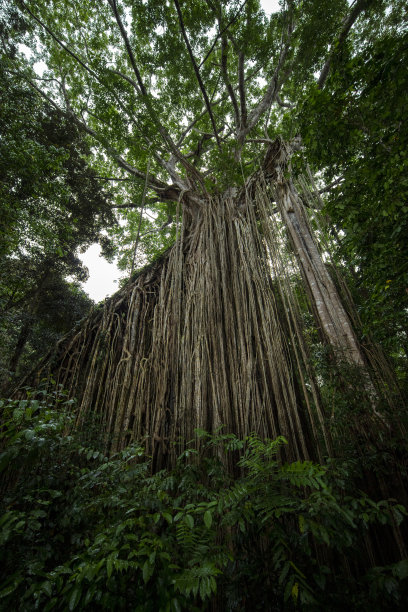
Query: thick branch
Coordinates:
[241,79]
[348,23]
[271,92]
[197,72]
[224,70]
[124,35]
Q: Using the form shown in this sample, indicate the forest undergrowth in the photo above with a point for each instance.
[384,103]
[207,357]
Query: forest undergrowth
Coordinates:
[80,530]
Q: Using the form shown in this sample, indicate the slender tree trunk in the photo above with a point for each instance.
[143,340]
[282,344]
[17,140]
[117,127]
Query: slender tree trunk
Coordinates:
[331,317]
[20,344]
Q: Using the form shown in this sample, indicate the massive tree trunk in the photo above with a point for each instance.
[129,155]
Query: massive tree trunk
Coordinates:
[211,334]
[203,338]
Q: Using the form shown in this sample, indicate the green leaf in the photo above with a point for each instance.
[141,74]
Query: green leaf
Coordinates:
[175,605]
[47,587]
[109,566]
[147,571]
[401,569]
[207,519]
[74,598]
[189,520]
[168,517]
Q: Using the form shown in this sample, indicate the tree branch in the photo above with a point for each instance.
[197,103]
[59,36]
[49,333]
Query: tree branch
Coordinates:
[197,119]
[155,183]
[283,104]
[126,78]
[159,229]
[111,178]
[112,4]
[347,24]
[161,129]
[197,72]
[262,140]
[224,71]
[124,206]
[44,95]
[140,217]
[338,181]
[222,99]
[59,42]
[223,30]
[271,92]
[76,58]
[241,80]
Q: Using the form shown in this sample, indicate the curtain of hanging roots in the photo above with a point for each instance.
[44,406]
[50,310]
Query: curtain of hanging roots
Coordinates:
[210,335]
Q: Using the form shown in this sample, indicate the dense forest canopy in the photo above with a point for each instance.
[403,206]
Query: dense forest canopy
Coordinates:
[258,165]
[192,91]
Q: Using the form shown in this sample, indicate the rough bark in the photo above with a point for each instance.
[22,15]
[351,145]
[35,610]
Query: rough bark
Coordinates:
[211,334]
[331,317]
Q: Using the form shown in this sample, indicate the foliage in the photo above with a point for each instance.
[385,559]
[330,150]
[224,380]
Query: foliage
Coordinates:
[145,106]
[80,530]
[51,201]
[354,130]
[51,206]
[49,307]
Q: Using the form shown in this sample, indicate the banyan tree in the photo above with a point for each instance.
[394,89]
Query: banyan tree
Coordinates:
[196,105]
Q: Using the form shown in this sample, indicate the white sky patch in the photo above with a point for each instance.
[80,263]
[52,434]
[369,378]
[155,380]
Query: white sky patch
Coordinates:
[270,6]
[103,276]
[39,67]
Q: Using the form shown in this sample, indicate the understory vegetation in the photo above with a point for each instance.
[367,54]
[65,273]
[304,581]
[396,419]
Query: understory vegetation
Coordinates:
[83,531]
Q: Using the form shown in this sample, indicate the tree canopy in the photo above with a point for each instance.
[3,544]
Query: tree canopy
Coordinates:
[194,91]
[51,206]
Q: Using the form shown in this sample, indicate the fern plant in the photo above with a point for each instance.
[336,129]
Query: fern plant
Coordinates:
[83,531]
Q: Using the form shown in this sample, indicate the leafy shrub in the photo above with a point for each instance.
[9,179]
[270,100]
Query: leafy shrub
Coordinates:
[83,531]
